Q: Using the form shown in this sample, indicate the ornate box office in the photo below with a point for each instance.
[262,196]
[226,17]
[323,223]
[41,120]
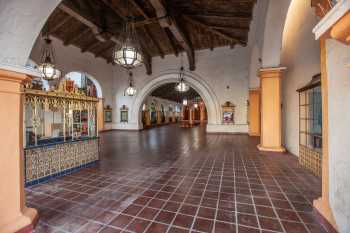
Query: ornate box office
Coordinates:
[310,126]
[60,133]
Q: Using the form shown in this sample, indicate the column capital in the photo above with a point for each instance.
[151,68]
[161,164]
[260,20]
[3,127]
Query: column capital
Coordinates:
[12,76]
[272,72]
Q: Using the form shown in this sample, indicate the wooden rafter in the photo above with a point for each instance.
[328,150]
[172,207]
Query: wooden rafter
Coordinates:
[154,41]
[170,22]
[90,46]
[139,9]
[59,25]
[94,28]
[212,30]
[171,41]
[222,17]
[114,9]
[76,36]
[103,50]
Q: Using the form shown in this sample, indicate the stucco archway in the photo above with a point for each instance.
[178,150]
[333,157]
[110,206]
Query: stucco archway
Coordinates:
[21,23]
[171,76]
[273,33]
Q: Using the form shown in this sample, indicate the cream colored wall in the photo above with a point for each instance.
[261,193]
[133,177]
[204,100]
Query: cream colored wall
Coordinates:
[338,56]
[301,56]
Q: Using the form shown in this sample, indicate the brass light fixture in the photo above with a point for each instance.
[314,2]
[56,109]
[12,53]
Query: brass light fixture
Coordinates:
[182,86]
[47,66]
[128,53]
[131,90]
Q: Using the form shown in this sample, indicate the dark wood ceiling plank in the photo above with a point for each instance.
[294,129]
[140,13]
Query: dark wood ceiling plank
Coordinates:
[114,9]
[93,44]
[154,41]
[212,30]
[139,9]
[76,36]
[94,28]
[170,22]
[104,50]
[59,25]
[171,41]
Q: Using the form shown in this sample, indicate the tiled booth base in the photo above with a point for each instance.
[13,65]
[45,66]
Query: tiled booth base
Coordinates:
[43,163]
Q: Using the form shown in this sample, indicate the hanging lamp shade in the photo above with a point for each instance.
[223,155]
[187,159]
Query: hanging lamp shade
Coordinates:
[184,102]
[182,86]
[128,53]
[47,66]
[130,90]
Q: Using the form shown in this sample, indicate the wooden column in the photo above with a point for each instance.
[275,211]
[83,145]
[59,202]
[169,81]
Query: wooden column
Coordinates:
[159,118]
[254,113]
[147,118]
[14,215]
[271,110]
[100,115]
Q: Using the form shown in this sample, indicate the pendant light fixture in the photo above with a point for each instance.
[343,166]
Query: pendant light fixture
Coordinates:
[131,90]
[182,86]
[128,53]
[47,66]
[184,102]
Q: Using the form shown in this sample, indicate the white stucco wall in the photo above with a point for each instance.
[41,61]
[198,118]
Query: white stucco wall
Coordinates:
[216,69]
[255,43]
[301,56]
[338,56]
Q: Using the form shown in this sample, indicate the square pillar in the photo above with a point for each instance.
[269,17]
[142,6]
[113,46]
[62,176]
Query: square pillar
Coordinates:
[271,110]
[100,115]
[14,215]
[147,118]
[159,118]
[254,113]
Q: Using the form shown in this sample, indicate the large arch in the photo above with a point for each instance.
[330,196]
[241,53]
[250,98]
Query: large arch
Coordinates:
[21,23]
[171,76]
[273,33]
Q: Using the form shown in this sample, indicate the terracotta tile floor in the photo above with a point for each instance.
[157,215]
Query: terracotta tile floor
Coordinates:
[180,180]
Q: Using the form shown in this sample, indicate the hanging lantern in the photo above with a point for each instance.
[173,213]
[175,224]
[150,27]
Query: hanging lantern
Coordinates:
[182,86]
[128,53]
[184,102]
[47,66]
[131,90]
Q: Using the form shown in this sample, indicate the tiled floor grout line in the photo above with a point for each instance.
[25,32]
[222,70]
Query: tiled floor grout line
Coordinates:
[218,201]
[182,203]
[269,197]
[284,194]
[235,186]
[227,163]
[160,209]
[205,188]
[251,194]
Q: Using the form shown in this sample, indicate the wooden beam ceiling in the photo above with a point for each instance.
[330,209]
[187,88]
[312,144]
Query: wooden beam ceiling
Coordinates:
[164,27]
[167,21]
[212,30]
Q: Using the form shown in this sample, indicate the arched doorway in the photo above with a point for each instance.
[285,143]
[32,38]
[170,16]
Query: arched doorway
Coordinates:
[208,96]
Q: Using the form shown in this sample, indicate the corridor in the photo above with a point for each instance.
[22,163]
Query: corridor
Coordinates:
[173,180]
